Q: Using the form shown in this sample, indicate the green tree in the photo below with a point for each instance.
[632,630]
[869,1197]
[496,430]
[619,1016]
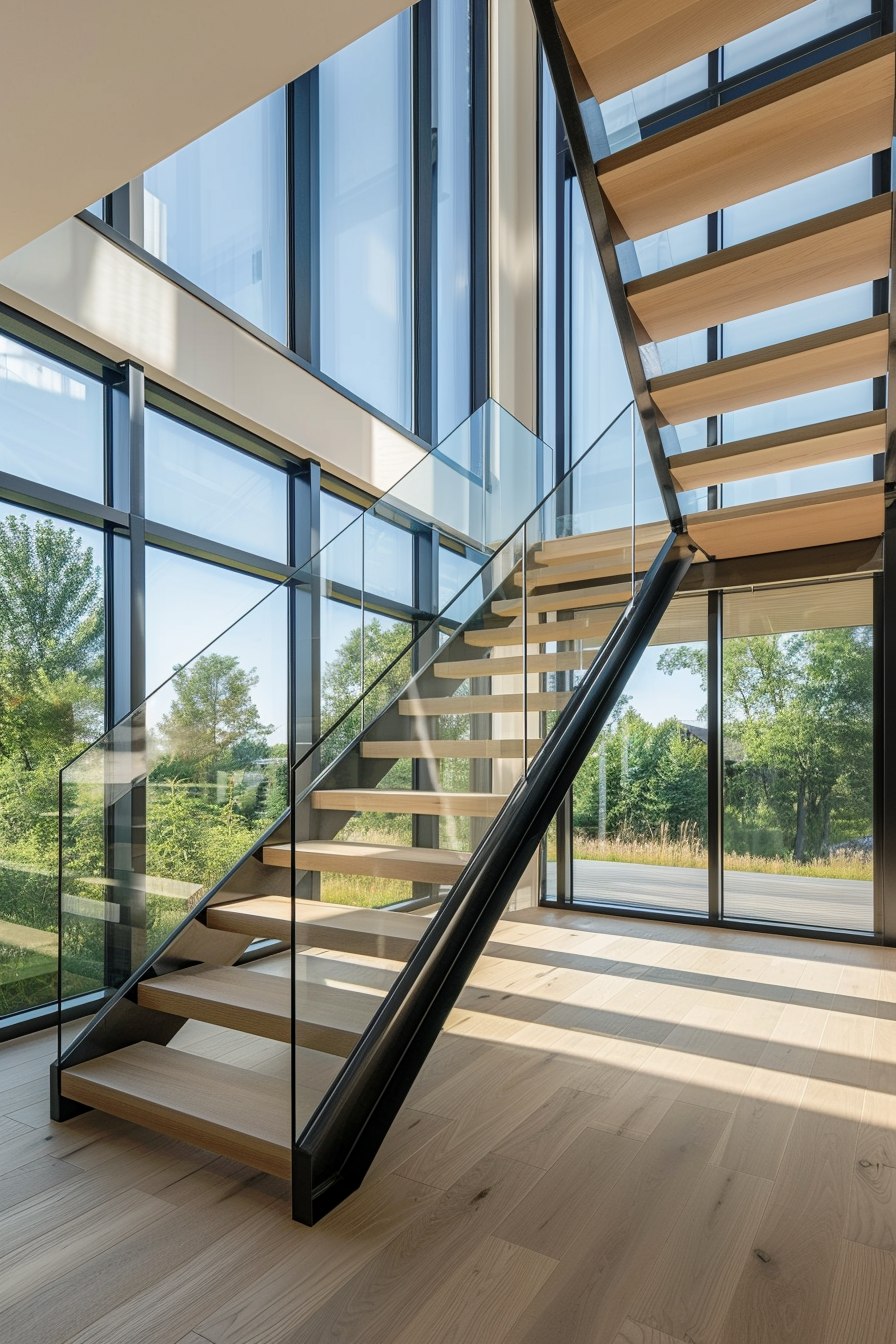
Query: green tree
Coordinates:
[797,737]
[51,640]
[213,710]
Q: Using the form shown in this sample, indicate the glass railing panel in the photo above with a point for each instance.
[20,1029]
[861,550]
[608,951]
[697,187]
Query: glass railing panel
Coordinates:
[161,808]
[476,714]
[158,811]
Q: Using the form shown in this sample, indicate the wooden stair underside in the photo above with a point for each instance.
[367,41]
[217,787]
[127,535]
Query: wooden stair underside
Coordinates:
[832,441]
[567,599]
[810,363]
[543,632]
[341,928]
[828,517]
[416,801]
[620,44]
[502,749]
[831,114]
[328,1017]
[576,660]
[506,703]
[239,1113]
[405,863]
[848,247]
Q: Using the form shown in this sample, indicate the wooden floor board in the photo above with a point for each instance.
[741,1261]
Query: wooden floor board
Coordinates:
[632,1133]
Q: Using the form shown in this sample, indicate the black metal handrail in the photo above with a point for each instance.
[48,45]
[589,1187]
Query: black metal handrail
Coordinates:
[341,1139]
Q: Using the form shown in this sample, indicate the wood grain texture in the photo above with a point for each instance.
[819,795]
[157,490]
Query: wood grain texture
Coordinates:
[562,1108]
[513,665]
[230,1110]
[572,599]
[541,632]
[417,801]
[328,1018]
[831,441]
[848,247]
[807,364]
[375,933]
[497,703]
[624,43]
[847,514]
[833,113]
[407,863]
[500,749]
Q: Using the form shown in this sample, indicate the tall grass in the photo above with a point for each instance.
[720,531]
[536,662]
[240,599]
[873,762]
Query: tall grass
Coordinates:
[686,850]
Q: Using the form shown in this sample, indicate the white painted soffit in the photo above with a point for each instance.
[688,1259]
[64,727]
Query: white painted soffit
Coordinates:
[93,92]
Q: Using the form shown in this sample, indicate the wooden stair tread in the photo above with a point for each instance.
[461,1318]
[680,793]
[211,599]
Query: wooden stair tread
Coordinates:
[543,632]
[506,703]
[567,599]
[624,43]
[831,441]
[238,1113]
[591,546]
[328,1018]
[575,660]
[808,364]
[833,113]
[341,928]
[848,247]
[502,749]
[827,517]
[419,802]
[411,863]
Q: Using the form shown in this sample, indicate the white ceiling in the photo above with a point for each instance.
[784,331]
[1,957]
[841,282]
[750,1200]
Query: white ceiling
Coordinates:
[94,92]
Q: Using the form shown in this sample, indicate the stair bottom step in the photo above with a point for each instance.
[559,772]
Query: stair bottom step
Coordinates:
[234,1112]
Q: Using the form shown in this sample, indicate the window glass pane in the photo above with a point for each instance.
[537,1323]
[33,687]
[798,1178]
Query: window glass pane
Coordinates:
[366,319]
[388,559]
[684,242]
[808,409]
[216,212]
[455,572]
[798,319]
[219,727]
[640,800]
[790,31]
[341,555]
[599,385]
[335,514]
[51,706]
[825,476]
[454,214]
[51,421]
[550,168]
[201,485]
[622,115]
[189,603]
[98,208]
[797,682]
[798,201]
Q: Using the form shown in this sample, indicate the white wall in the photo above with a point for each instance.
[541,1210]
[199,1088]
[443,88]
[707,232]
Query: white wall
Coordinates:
[93,92]
[80,283]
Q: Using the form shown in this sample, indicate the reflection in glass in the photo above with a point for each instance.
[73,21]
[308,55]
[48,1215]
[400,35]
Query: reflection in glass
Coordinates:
[202,486]
[797,685]
[216,212]
[454,213]
[599,386]
[51,706]
[51,421]
[366,315]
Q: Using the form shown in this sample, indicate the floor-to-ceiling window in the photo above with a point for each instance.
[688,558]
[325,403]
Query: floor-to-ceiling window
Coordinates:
[52,641]
[345,216]
[216,212]
[366,219]
[797,684]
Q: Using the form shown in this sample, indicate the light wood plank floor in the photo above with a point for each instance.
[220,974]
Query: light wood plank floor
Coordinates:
[651,1134]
